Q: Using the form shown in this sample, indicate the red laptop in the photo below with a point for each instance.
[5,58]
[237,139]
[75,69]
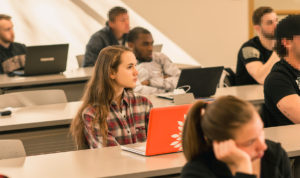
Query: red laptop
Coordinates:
[164,131]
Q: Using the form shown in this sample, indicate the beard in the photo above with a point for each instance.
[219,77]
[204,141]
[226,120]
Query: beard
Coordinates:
[269,36]
[6,40]
[141,57]
[144,59]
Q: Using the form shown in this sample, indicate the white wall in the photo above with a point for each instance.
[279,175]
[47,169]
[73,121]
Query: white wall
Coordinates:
[279,4]
[209,31]
[50,22]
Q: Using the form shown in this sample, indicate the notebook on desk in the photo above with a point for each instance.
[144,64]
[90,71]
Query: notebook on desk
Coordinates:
[164,132]
[46,59]
[202,82]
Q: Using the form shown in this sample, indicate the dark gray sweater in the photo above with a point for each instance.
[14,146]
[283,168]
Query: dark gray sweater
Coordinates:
[98,41]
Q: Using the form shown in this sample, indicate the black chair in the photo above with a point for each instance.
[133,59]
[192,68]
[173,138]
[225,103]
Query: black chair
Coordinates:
[229,79]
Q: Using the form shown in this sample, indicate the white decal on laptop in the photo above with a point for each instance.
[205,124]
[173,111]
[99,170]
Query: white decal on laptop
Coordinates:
[177,137]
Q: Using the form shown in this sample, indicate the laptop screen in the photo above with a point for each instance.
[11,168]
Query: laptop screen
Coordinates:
[202,81]
[46,59]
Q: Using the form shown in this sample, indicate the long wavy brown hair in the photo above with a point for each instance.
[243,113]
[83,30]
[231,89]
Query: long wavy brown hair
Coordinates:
[99,93]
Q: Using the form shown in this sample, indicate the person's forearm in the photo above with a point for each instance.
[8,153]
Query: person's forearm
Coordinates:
[290,107]
[266,68]
[260,71]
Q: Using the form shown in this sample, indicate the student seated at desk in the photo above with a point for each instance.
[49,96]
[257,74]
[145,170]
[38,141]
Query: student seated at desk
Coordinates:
[282,86]
[114,33]
[226,139]
[256,56]
[157,73]
[111,114]
[12,54]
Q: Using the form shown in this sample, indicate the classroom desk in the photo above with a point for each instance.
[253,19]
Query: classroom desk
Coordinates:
[45,128]
[62,113]
[113,162]
[51,115]
[251,93]
[39,116]
[287,136]
[72,82]
[104,162]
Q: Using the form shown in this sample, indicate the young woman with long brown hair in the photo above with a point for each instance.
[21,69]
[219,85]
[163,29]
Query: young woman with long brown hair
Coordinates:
[111,114]
[225,139]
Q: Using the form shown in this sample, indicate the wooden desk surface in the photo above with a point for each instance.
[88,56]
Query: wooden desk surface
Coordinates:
[59,114]
[51,115]
[113,162]
[251,93]
[107,161]
[103,162]
[287,136]
[39,116]
[80,74]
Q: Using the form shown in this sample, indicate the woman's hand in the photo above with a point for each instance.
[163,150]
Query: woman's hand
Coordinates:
[236,159]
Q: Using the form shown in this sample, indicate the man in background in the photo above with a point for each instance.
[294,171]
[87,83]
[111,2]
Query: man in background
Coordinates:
[157,73]
[114,33]
[12,54]
[256,57]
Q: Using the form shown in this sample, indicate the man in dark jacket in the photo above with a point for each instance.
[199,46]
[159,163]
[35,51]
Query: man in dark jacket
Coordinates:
[12,54]
[114,33]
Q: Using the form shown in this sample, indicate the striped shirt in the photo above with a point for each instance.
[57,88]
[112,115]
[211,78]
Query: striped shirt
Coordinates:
[126,124]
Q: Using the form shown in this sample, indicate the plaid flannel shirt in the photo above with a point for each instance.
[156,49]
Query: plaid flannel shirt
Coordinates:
[126,125]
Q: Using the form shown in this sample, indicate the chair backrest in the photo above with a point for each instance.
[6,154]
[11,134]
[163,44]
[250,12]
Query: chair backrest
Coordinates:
[80,60]
[228,78]
[11,149]
[30,98]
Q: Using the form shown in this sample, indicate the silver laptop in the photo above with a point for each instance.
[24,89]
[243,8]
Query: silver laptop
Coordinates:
[138,148]
[46,59]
